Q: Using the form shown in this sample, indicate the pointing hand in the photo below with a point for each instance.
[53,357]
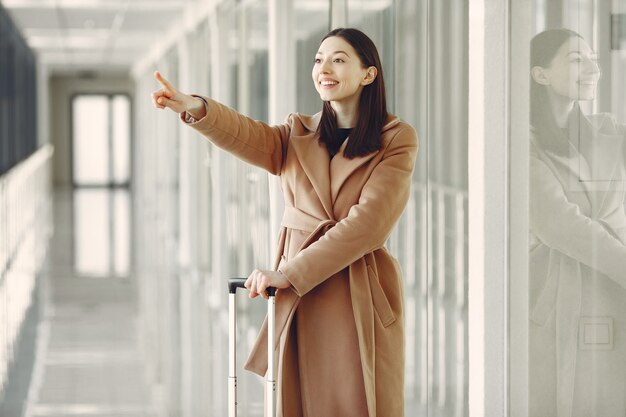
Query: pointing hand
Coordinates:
[170,97]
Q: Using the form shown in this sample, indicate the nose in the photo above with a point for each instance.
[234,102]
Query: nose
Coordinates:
[592,67]
[324,67]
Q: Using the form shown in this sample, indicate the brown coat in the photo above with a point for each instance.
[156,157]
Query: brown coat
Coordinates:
[338,215]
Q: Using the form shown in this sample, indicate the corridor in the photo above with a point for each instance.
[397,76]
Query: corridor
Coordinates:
[87,355]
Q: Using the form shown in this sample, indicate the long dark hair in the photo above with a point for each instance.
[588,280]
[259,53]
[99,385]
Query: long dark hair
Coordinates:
[365,136]
[543,49]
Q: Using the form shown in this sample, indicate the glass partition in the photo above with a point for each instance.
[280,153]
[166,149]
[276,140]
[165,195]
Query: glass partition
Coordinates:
[575,284]
[423,47]
[312,23]
[18,95]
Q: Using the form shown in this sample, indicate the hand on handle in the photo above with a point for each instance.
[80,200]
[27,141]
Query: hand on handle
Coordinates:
[260,280]
[169,97]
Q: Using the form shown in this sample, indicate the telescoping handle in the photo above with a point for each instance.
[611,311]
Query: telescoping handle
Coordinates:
[235,283]
[270,381]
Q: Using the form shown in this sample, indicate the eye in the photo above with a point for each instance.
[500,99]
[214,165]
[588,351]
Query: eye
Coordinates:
[338,60]
[317,60]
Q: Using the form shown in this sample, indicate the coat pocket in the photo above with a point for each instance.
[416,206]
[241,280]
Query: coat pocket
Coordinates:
[381,303]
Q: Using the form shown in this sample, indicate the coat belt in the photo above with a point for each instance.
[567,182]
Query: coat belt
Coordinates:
[294,218]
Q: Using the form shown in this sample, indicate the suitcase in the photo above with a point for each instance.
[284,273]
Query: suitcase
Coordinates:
[270,380]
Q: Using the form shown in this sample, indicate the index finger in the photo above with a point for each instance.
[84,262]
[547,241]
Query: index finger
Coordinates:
[162,80]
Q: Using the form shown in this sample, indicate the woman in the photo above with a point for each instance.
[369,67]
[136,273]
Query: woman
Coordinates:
[346,178]
[577,346]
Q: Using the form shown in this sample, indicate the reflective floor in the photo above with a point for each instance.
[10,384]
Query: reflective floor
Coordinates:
[87,353]
[87,348]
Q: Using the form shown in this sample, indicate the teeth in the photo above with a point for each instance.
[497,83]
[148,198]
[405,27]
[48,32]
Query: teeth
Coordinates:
[328,82]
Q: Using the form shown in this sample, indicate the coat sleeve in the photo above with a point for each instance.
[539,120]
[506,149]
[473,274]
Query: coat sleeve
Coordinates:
[250,140]
[561,225]
[368,223]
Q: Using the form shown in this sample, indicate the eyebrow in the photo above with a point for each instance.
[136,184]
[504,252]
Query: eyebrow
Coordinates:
[592,54]
[336,52]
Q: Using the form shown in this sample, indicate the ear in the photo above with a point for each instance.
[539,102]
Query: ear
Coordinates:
[370,76]
[539,75]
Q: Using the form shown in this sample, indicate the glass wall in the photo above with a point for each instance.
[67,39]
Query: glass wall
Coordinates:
[25,214]
[425,62]
[575,172]
[312,23]
[430,92]
[206,215]
[18,92]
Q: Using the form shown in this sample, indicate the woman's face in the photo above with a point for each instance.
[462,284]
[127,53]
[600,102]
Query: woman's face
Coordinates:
[338,73]
[573,72]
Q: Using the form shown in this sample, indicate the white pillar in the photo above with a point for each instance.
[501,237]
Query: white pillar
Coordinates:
[488,201]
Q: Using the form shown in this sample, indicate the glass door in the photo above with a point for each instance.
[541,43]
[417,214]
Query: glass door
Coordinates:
[100,175]
[100,140]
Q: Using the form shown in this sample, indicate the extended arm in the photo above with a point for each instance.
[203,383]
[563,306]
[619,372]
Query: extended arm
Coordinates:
[253,141]
[250,140]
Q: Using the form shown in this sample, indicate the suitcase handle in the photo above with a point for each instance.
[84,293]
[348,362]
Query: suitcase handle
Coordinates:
[270,381]
[234,283]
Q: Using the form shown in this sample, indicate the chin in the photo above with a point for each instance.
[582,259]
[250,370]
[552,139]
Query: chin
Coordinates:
[586,96]
[323,96]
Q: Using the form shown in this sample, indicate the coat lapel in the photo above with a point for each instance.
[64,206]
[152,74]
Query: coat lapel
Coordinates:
[314,159]
[341,168]
[320,169]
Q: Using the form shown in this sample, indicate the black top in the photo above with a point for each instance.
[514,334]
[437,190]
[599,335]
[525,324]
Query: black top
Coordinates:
[342,133]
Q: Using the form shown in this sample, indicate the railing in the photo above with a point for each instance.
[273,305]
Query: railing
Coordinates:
[25,226]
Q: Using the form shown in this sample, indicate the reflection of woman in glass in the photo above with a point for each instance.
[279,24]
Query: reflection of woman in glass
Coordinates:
[346,178]
[577,340]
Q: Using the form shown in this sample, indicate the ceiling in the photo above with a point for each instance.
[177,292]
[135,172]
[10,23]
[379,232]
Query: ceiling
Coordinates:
[87,37]
[72,36]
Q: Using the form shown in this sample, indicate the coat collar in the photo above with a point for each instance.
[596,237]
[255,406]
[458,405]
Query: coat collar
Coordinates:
[310,123]
[326,176]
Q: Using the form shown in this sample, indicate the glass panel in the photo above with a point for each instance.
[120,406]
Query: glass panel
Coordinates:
[423,46]
[312,23]
[257,58]
[201,75]
[92,231]
[577,223]
[229,49]
[18,107]
[375,18]
[121,233]
[121,138]
[102,232]
[90,138]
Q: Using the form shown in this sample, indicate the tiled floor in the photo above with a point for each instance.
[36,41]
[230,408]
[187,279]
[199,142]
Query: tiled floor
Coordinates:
[87,354]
